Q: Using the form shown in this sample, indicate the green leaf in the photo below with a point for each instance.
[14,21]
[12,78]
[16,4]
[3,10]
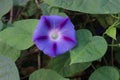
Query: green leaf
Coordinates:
[105,20]
[89,48]
[20,2]
[111,31]
[31,9]
[46,74]
[88,6]
[64,68]
[8,51]
[5,6]
[105,73]
[20,35]
[8,69]
[48,10]
[44,7]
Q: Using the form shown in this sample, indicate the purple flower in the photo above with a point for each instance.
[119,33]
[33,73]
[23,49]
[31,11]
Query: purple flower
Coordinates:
[54,35]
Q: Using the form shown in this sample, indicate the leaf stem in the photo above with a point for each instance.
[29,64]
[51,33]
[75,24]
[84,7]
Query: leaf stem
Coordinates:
[11,15]
[37,4]
[114,45]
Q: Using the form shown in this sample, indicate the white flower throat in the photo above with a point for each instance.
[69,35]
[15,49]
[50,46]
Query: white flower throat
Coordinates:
[54,34]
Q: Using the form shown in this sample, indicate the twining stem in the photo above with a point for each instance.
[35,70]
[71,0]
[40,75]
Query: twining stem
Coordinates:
[112,58]
[93,66]
[18,13]
[11,15]
[37,4]
[39,61]
[105,60]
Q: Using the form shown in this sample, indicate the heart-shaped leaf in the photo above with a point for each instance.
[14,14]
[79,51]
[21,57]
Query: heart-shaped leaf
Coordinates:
[88,6]
[64,68]
[8,69]
[20,35]
[89,48]
[105,73]
[9,51]
[5,6]
[46,74]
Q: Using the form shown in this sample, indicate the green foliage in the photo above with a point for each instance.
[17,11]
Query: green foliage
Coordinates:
[64,68]
[5,6]
[44,8]
[20,35]
[48,10]
[6,50]
[16,40]
[105,20]
[8,70]
[88,6]
[89,48]
[47,74]
[20,2]
[105,73]
[111,31]
[31,9]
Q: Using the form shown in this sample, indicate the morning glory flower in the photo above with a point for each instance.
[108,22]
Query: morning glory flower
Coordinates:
[54,35]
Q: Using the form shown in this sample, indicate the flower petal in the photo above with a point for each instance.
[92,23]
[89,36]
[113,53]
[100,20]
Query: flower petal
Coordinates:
[51,49]
[41,42]
[68,39]
[64,46]
[55,20]
[54,48]
[46,22]
[41,28]
[63,23]
[48,47]
[69,35]
[68,32]
[41,38]
[67,25]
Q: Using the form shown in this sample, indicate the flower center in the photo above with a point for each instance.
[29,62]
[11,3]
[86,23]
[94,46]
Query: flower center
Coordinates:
[54,34]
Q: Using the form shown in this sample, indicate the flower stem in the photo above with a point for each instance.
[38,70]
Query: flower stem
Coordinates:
[112,58]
